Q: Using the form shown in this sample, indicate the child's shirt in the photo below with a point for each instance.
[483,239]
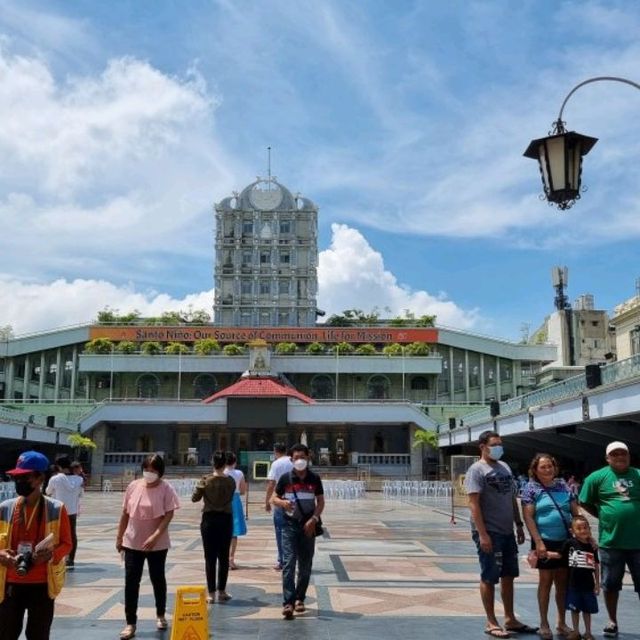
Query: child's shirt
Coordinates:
[581,558]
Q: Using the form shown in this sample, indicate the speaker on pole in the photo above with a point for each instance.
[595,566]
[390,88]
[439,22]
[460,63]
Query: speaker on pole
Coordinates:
[593,376]
[494,408]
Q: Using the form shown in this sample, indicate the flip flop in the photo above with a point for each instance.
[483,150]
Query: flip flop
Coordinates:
[523,628]
[497,632]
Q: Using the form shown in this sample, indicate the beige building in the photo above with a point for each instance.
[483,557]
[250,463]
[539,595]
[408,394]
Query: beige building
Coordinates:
[626,321]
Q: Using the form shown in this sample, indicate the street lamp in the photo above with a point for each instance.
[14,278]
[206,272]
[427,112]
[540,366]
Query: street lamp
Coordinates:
[559,155]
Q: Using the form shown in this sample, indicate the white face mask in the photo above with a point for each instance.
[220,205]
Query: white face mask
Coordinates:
[150,476]
[300,464]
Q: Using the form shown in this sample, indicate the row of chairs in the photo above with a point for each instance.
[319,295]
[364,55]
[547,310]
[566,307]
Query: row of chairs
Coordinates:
[7,490]
[417,489]
[183,486]
[344,489]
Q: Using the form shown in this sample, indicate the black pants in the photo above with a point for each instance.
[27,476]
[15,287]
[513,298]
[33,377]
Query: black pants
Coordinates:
[35,600]
[216,529]
[74,538]
[133,565]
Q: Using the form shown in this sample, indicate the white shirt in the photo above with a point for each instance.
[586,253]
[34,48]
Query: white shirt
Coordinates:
[279,467]
[237,475]
[67,489]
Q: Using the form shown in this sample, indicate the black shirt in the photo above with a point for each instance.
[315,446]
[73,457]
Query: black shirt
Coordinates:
[306,488]
[581,558]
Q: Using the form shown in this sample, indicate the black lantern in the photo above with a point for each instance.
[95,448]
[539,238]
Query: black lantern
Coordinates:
[560,159]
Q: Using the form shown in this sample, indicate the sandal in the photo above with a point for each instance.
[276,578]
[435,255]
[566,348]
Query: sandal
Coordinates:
[232,564]
[162,623]
[497,632]
[610,630]
[545,634]
[128,632]
[299,607]
[287,612]
[522,628]
[563,630]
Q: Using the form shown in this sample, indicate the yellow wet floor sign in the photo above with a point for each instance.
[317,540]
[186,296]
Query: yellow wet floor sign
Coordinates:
[190,617]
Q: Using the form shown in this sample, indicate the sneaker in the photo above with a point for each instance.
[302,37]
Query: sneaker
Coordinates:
[162,623]
[610,631]
[128,632]
[223,596]
[287,612]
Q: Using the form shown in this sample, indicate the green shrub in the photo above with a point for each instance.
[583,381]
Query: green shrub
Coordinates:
[126,346]
[366,350]
[394,349]
[343,348]
[418,349]
[232,350]
[206,346]
[151,348]
[286,347]
[99,345]
[175,348]
[316,348]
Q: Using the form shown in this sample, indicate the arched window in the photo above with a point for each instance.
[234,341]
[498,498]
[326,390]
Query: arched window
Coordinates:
[204,386]
[322,388]
[419,383]
[378,388]
[148,386]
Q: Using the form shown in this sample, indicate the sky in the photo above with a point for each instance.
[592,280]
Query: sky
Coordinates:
[122,123]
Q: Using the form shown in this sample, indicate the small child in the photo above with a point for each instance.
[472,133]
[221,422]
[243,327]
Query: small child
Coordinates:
[583,586]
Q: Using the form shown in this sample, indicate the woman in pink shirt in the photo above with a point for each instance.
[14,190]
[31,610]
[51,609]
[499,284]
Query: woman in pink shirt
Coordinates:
[147,510]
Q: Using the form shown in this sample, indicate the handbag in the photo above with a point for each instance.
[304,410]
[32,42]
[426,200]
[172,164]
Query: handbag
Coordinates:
[319,529]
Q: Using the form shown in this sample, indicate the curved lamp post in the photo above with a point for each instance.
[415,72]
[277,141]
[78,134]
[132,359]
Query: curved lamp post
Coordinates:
[560,155]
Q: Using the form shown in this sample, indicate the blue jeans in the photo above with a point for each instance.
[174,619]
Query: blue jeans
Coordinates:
[297,549]
[278,523]
[613,562]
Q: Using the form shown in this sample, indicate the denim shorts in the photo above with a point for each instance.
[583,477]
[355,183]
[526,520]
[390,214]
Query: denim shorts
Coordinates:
[502,562]
[612,563]
[582,601]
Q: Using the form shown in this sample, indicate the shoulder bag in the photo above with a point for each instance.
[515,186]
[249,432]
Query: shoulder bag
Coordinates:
[319,530]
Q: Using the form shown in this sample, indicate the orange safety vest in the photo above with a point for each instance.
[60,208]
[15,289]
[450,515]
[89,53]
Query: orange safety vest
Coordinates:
[52,514]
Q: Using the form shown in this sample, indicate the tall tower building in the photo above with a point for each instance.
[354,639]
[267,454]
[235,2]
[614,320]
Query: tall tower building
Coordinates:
[266,258]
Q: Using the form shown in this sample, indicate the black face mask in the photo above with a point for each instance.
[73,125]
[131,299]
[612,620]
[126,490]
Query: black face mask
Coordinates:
[23,488]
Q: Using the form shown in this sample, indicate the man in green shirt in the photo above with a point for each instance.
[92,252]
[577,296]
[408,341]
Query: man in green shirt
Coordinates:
[612,494]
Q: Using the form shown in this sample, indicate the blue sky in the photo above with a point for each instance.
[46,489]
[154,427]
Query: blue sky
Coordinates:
[405,122]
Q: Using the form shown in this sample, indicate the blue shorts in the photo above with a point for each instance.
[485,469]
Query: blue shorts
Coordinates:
[502,562]
[581,601]
[613,561]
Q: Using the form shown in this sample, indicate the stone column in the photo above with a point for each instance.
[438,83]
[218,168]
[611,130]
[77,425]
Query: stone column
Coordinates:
[99,436]
[416,455]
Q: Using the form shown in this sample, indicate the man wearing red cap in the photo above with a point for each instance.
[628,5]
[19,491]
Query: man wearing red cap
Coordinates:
[35,538]
[612,494]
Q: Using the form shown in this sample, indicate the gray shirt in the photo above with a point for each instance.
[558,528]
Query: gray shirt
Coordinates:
[496,487]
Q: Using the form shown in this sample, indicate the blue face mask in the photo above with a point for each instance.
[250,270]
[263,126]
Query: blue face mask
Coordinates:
[496,452]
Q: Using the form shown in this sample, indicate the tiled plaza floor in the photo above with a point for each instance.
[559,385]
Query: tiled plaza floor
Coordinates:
[385,569]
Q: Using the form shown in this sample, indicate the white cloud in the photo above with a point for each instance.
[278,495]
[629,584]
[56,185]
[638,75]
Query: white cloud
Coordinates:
[105,168]
[31,307]
[351,274]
